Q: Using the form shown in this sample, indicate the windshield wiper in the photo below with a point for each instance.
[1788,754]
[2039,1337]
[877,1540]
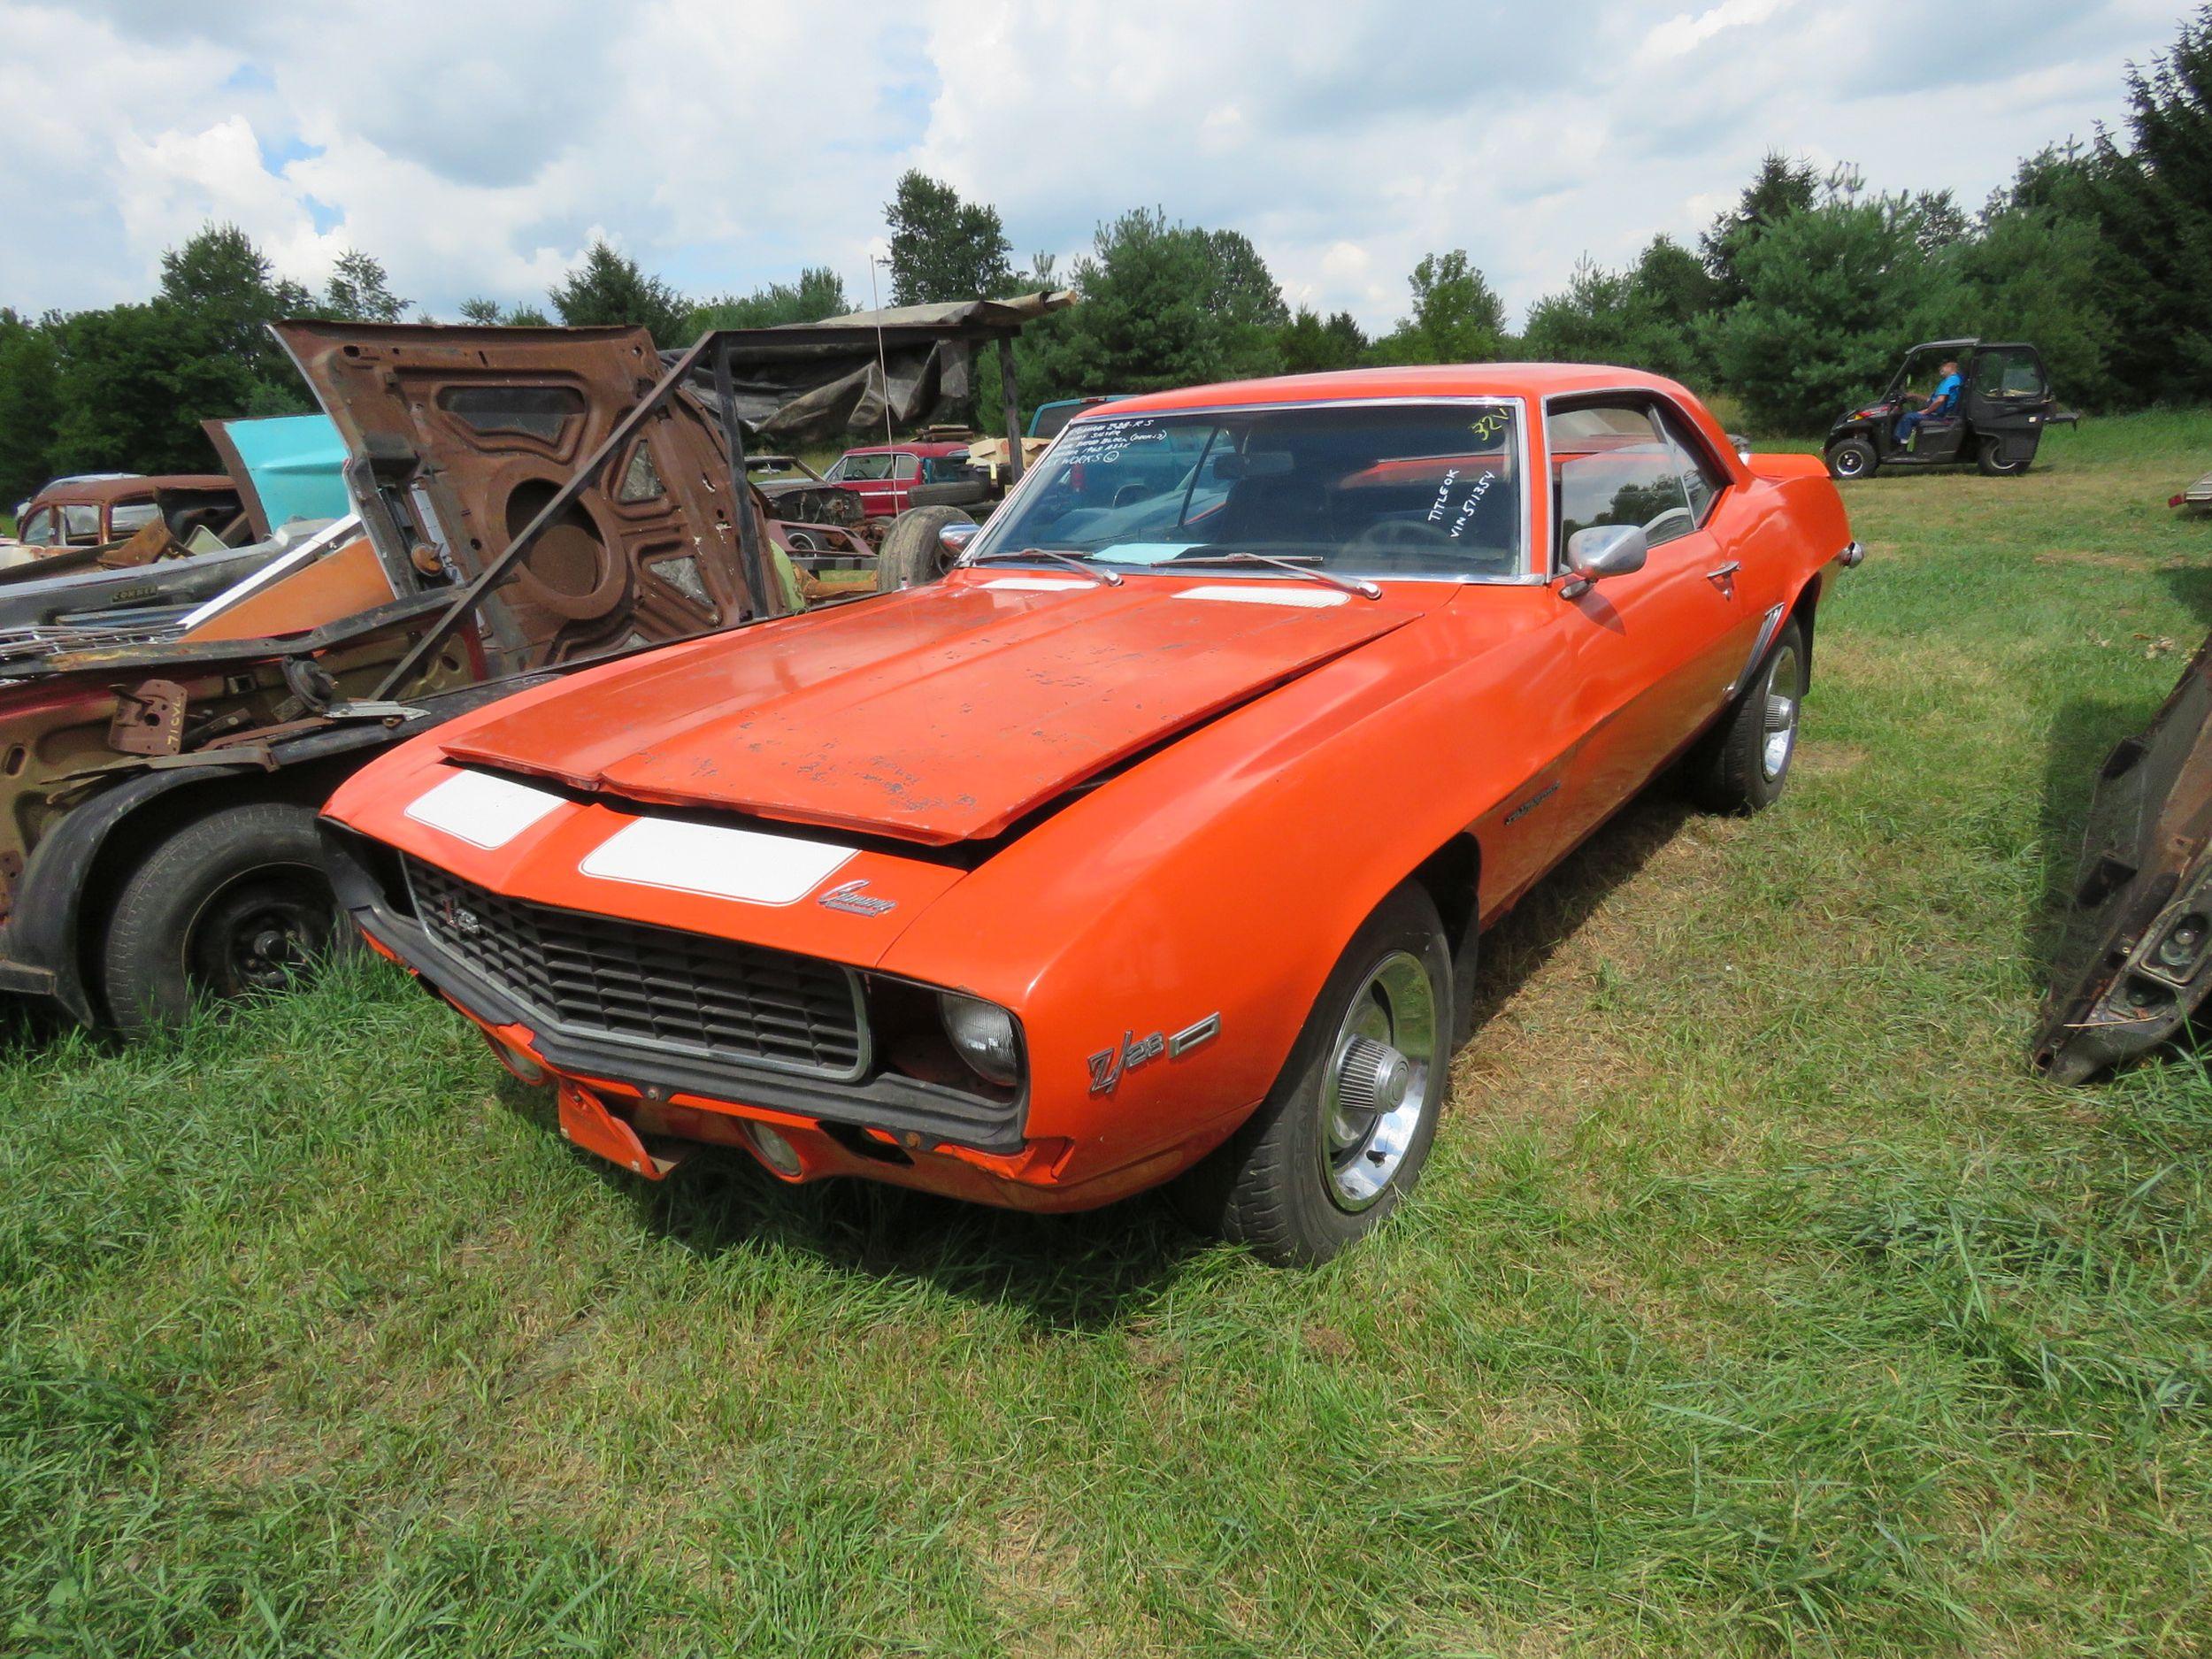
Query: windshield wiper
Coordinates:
[1104,579]
[1364,590]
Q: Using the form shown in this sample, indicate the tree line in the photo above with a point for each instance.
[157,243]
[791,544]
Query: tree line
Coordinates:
[1795,301]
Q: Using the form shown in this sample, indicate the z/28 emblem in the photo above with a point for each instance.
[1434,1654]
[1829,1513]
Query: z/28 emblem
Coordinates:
[848,896]
[1108,1064]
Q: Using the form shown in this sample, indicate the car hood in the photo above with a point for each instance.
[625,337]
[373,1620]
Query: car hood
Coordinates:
[943,714]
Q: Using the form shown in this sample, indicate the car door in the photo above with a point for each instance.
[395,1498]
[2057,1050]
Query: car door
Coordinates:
[1652,647]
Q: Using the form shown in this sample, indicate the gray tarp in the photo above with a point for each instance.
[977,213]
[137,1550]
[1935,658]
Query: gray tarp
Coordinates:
[822,382]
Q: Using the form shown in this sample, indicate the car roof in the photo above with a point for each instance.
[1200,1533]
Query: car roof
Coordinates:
[935,445]
[130,488]
[1442,379]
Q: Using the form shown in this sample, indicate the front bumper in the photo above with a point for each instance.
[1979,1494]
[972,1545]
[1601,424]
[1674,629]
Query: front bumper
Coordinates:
[914,1115]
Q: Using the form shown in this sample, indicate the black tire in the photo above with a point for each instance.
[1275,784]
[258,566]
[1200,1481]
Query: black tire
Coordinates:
[1851,459]
[235,904]
[1279,1185]
[967,491]
[1991,459]
[911,555]
[1733,769]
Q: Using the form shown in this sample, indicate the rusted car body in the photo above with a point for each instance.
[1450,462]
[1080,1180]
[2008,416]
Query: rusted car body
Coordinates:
[2135,960]
[166,728]
[1158,837]
[94,513]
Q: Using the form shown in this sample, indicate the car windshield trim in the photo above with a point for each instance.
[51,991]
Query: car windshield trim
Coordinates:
[1035,474]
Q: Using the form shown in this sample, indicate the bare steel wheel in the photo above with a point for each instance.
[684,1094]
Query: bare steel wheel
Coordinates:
[1341,1137]
[1372,1098]
[232,905]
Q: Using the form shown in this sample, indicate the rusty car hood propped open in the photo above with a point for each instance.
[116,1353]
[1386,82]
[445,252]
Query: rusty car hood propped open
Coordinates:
[941,715]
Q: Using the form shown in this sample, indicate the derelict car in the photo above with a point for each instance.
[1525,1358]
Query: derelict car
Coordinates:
[1155,839]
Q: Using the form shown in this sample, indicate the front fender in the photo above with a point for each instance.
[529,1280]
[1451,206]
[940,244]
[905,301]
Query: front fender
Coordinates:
[1223,877]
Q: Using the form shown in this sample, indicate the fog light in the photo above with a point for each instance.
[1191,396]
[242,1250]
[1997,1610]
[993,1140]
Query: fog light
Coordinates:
[777,1153]
[982,1034]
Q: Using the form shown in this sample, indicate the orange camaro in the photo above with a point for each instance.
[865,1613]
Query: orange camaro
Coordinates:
[1156,839]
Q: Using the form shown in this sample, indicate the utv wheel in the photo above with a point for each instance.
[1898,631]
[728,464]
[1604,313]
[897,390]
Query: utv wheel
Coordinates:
[1342,1138]
[1991,460]
[1742,764]
[912,555]
[234,905]
[1851,459]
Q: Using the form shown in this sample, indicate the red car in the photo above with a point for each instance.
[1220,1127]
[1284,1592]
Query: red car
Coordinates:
[884,475]
[1156,841]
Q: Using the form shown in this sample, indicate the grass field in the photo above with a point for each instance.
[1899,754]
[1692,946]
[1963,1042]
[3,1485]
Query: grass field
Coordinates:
[1756,1298]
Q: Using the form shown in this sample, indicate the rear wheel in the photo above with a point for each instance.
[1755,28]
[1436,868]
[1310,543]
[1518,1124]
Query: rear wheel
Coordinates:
[913,552]
[1743,764]
[1852,459]
[1342,1138]
[233,905]
[1991,459]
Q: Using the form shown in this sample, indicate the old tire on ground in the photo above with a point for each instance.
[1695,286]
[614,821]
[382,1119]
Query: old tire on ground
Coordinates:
[1852,460]
[1340,1139]
[235,904]
[1991,459]
[967,491]
[1741,764]
[911,555]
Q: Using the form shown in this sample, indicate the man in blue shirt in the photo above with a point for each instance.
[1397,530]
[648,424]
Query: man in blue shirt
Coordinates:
[1944,401]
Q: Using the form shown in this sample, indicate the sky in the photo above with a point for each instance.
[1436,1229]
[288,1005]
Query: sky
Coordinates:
[479,146]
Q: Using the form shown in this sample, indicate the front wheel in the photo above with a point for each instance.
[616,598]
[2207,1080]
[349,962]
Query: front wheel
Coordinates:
[1743,763]
[1992,460]
[1342,1138]
[234,905]
[1852,459]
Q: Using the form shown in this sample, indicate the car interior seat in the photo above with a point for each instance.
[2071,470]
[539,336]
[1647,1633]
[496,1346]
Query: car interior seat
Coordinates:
[1269,509]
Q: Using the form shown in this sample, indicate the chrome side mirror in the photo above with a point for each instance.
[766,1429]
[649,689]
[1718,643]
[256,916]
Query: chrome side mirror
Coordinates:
[1602,550]
[953,538]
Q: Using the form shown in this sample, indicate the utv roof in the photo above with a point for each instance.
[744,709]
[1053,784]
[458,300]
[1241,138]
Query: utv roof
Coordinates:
[1942,345]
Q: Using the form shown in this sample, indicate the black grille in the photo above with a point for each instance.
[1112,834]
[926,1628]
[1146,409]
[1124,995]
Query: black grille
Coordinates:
[681,992]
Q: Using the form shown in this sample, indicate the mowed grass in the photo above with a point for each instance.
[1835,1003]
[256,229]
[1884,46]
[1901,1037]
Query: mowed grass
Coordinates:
[1756,1298]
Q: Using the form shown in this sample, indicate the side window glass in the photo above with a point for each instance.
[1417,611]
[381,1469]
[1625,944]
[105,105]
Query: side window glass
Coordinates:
[907,467]
[38,530]
[80,525]
[1611,464]
[1701,482]
[130,516]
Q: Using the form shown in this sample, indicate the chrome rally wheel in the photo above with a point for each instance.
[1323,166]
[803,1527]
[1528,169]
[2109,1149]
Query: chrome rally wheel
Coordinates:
[1377,1082]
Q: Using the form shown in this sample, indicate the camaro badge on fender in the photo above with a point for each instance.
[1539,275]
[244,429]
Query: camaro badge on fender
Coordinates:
[848,896]
[1108,1064]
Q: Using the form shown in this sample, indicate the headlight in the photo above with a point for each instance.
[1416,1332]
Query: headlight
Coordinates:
[983,1034]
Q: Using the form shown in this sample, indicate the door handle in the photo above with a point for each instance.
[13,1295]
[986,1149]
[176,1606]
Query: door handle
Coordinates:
[1722,572]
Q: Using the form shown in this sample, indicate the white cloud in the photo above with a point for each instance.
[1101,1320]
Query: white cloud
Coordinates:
[478,148]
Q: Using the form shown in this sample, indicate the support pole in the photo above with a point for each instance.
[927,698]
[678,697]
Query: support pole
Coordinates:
[1013,409]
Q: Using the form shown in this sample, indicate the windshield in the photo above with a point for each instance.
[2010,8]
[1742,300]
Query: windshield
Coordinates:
[863,468]
[1372,489]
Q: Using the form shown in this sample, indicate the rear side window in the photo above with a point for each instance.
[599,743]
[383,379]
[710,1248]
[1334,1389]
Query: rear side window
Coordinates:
[1612,464]
[80,525]
[130,516]
[1701,482]
[908,467]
